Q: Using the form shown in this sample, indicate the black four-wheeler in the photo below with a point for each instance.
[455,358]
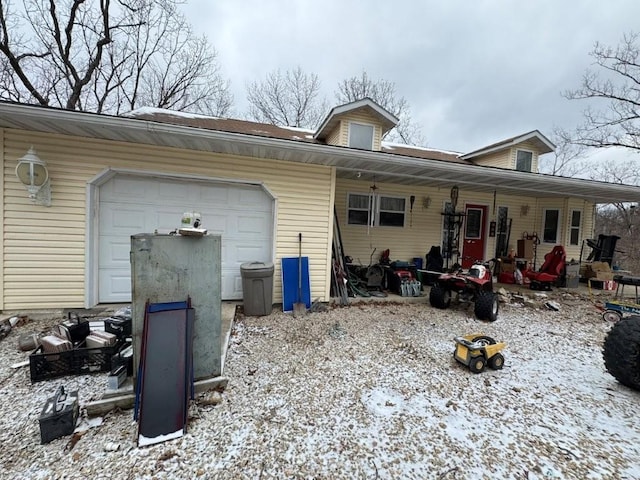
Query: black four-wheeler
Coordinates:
[621,351]
[474,286]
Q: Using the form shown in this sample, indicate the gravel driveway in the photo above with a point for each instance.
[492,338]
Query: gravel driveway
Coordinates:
[367,391]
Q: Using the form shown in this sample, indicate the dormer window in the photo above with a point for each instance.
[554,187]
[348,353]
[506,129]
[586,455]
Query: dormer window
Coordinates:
[361,136]
[524,160]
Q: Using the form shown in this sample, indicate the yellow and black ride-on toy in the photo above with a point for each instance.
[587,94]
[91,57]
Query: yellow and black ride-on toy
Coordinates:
[476,351]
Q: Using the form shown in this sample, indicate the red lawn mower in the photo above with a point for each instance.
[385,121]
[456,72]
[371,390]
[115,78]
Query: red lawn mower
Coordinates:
[473,286]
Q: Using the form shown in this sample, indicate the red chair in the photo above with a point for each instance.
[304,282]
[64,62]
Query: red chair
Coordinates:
[550,271]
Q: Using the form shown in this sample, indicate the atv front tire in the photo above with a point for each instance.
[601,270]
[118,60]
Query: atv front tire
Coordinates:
[439,297]
[486,307]
[621,351]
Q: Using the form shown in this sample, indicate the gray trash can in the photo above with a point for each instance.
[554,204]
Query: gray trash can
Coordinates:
[257,287]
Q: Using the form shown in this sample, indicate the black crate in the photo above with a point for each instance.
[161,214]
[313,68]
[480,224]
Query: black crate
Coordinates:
[118,326]
[59,415]
[79,361]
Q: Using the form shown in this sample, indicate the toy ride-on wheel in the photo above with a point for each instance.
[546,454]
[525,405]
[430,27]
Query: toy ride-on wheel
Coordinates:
[497,361]
[621,351]
[486,307]
[477,364]
[439,297]
[612,316]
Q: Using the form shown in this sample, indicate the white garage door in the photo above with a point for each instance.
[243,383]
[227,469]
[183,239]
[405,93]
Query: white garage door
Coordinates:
[241,214]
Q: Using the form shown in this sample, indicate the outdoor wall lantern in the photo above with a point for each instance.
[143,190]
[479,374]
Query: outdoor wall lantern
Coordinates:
[524,210]
[32,172]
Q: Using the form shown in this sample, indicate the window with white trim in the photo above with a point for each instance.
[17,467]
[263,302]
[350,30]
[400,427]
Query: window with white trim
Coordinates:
[575,227]
[359,209]
[375,210]
[551,225]
[524,160]
[360,136]
[391,211]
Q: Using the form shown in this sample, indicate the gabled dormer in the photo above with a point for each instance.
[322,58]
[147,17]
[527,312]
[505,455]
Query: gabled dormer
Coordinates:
[360,124]
[517,153]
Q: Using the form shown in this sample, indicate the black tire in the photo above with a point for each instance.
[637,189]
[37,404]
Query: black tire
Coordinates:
[497,361]
[484,340]
[439,297]
[477,364]
[612,316]
[486,307]
[621,351]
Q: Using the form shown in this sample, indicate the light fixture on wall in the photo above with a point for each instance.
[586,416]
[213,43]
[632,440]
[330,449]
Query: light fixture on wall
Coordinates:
[33,174]
[426,202]
[524,209]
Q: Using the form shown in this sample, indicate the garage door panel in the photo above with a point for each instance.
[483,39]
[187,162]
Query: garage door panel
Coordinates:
[117,282]
[128,188]
[241,214]
[118,219]
[215,195]
[173,192]
[250,198]
[250,224]
[231,284]
[114,252]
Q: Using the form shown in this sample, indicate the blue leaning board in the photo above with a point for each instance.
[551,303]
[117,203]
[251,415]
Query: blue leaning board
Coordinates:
[290,283]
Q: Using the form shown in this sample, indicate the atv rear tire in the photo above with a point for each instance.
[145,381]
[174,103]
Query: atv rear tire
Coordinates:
[621,351]
[439,297]
[486,307]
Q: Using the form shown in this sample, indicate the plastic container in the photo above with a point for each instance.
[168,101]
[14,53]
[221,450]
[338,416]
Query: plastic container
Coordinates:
[257,288]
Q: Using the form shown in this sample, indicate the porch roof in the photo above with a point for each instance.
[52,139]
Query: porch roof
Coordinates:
[349,163]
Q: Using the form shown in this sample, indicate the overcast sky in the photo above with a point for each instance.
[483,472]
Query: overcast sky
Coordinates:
[473,71]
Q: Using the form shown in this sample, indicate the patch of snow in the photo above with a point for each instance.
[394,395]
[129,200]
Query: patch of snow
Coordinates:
[163,111]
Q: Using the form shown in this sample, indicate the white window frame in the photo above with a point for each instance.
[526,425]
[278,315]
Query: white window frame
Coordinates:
[516,160]
[378,209]
[573,228]
[374,209]
[358,124]
[370,209]
[557,240]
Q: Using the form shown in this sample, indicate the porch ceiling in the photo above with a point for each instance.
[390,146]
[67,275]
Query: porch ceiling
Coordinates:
[349,163]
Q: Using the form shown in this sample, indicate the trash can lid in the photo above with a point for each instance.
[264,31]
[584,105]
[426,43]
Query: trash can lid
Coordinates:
[257,266]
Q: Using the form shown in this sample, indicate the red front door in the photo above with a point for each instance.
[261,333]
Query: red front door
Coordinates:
[475,222]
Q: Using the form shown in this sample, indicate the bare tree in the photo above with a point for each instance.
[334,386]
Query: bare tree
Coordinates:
[107,56]
[617,85]
[568,159]
[287,99]
[383,93]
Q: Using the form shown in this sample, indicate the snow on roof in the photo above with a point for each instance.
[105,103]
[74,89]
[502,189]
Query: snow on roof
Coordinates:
[392,146]
[155,110]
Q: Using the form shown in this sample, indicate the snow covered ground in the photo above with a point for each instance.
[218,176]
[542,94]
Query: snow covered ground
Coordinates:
[368,391]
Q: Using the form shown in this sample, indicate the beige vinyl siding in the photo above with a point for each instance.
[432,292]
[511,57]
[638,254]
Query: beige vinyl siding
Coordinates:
[44,247]
[501,159]
[335,137]
[507,158]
